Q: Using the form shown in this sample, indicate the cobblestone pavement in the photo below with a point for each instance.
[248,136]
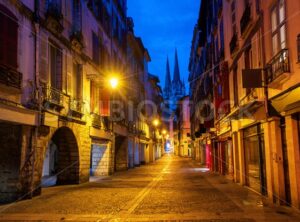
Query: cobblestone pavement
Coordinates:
[172,189]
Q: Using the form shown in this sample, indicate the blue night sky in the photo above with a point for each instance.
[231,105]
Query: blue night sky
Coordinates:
[164,25]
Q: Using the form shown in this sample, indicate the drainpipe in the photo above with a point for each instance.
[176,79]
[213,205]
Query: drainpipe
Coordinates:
[37,91]
[266,93]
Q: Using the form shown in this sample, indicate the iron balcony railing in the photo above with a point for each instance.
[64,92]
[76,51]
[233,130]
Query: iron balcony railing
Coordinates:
[101,122]
[77,36]
[10,77]
[278,65]
[77,105]
[53,96]
[233,43]
[246,18]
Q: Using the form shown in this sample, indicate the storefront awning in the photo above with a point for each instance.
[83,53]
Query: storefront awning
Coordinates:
[287,102]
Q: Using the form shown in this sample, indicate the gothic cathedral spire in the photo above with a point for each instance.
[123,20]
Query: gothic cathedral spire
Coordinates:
[176,76]
[168,84]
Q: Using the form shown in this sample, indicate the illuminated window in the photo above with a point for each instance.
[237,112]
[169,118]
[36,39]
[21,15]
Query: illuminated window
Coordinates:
[278,19]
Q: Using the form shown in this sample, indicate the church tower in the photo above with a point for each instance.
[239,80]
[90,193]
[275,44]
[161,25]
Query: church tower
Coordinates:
[175,89]
[168,84]
[176,83]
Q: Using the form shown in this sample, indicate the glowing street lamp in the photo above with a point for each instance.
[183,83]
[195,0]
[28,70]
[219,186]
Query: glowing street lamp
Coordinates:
[114,82]
[156,122]
[164,132]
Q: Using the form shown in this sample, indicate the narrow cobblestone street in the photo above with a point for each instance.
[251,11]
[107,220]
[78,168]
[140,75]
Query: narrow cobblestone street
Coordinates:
[171,189]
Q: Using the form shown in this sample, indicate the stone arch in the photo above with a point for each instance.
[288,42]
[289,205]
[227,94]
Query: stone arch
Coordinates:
[65,163]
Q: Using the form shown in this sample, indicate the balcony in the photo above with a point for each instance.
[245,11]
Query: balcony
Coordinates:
[54,17]
[279,65]
[76,39]
[233,43]
[101,122]
[53,98]
[246,18]
[76,107]
[10,77]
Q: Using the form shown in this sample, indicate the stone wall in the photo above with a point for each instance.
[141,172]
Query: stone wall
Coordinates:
[10,154]
[80,138]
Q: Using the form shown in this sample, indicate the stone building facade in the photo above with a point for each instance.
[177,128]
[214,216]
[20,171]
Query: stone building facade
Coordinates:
[184,128]
[56,125]
[253,70]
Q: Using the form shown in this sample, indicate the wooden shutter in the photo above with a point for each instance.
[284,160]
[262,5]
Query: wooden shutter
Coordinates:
[104,103]
[96,50]
[43,57]
[69,74]
[59,64]
[77,17]
[79,81]
[3,36]
[8,37]
[92,97]
[12,43]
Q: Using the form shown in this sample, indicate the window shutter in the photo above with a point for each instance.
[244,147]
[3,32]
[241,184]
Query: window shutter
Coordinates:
[43,58]
[65,74]
[59,63]
[3,37]
[96,50]
[104,103]
[80,82]
[8,37]
[69,74]
[92,97]
[12,43]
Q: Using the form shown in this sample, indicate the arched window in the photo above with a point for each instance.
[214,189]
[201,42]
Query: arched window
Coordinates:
[8,38]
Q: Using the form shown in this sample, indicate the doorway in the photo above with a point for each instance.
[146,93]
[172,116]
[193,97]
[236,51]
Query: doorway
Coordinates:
[61,160]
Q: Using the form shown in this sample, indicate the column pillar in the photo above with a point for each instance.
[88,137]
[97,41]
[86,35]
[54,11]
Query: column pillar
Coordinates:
[241,155]
[236,158]
[268,158]
[292,136]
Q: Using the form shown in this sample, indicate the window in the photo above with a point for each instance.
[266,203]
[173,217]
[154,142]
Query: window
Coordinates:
[278,26]
[248,63]
[55,66]
[77,19]
[94,98]
[298,44]
[54,7]
[222,35]
[233,17]
[257,6]
[8,38]
[96,48]
[77,81]
[235,87]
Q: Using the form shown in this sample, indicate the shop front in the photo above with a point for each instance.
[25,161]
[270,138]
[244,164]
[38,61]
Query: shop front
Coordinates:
[254,151]
[225,156]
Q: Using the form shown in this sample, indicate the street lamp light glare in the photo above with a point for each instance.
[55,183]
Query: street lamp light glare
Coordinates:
[164,132]
[155,122]
[114,82]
